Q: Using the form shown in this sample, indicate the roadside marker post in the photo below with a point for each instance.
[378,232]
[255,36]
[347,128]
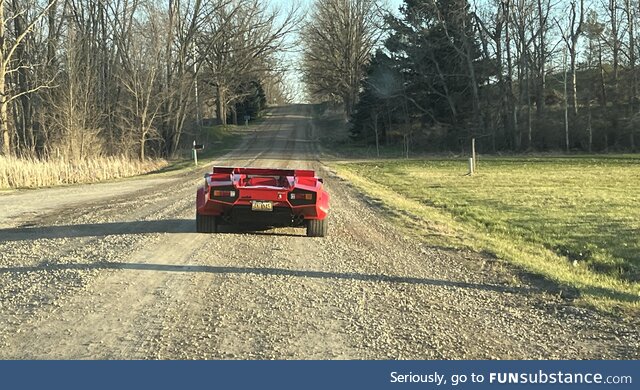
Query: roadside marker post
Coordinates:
[195,153]
[473,154]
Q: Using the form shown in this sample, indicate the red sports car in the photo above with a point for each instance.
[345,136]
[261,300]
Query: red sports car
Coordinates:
[252,197]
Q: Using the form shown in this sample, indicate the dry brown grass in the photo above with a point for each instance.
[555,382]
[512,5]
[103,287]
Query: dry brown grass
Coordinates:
[33,173]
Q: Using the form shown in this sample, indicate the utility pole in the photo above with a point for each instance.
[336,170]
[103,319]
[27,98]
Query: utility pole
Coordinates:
[566,104]
[195,85]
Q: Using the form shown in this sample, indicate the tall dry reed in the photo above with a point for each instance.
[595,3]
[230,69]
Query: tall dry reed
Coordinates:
[33,173]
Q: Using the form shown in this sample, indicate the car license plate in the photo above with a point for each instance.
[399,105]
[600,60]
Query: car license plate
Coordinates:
[261,206]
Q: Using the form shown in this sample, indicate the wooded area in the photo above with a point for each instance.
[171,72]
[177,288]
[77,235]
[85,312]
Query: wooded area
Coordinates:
[517,75]
[130,77]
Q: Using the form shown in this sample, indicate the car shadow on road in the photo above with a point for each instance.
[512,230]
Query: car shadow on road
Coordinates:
[97,229]
[30,232]
[267,272]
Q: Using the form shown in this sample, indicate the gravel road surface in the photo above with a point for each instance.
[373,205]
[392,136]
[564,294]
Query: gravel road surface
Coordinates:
[117,271]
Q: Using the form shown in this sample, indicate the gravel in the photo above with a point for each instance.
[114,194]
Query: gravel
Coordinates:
[127,277]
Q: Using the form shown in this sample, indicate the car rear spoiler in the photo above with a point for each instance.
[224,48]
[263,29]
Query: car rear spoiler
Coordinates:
[266,171]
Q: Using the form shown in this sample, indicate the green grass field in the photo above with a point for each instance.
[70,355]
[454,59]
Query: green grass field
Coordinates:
[573,220]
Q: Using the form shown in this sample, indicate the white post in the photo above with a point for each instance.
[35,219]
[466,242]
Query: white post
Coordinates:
[470,166]
[195,153]
[473,153]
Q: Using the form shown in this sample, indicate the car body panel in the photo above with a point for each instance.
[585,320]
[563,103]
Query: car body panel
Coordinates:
[288,196]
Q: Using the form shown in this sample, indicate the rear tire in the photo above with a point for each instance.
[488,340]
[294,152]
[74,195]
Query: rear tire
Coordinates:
[317,228]
[206,223]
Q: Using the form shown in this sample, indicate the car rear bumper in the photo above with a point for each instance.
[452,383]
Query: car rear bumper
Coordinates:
[280,216]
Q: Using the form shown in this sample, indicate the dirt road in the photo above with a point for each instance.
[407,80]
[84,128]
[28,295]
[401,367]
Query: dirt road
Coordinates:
[116,271]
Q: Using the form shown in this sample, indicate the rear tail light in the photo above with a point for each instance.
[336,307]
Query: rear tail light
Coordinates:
[294,196]
[224,194]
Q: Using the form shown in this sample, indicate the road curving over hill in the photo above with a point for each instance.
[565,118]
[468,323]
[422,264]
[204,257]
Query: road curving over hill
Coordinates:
[117,271]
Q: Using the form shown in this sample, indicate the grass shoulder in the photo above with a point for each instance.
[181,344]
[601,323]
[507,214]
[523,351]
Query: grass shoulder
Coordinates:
[573,220]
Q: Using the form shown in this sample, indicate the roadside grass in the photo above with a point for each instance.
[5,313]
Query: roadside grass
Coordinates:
[220,140]
[574,220]
[34,173]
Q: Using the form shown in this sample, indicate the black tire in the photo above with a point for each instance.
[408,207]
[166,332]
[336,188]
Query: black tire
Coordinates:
[206,223]
[199,227]
[317,228]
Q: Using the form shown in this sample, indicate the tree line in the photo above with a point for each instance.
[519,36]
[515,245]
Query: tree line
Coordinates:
[130,77]
[516,75]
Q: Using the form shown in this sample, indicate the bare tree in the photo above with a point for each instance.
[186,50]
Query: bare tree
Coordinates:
[493,36]
[10,48]
[522,17]
[594,30]
[630,11]
[337,42]
[541,53]
[76,114]
[141,70]
[571,34]
[513,106]
[614,43]
[181,30]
